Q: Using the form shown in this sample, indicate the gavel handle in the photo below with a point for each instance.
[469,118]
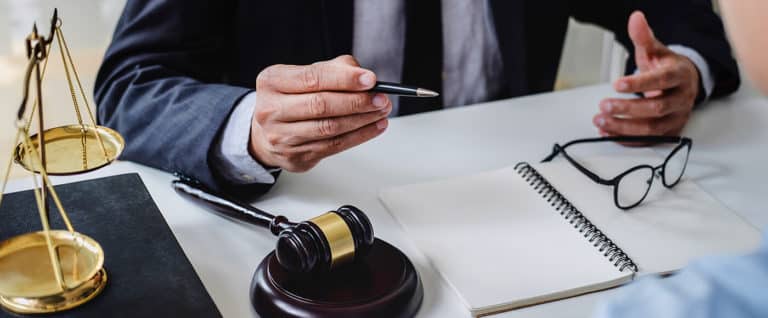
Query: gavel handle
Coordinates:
[228,207]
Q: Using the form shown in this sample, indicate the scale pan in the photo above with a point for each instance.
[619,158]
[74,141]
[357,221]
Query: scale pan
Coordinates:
[28,284]
[65,145]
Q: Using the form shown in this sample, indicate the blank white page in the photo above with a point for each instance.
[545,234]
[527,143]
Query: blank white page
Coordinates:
[670,228]
[497,242]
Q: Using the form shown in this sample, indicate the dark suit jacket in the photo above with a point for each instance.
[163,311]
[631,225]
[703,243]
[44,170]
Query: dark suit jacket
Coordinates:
[176,68]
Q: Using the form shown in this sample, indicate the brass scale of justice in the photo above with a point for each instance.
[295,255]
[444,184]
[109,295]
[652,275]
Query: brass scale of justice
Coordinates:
[53,270]
[308,274]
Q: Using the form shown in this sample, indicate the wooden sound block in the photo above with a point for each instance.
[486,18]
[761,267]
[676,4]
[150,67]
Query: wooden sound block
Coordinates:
[383,284]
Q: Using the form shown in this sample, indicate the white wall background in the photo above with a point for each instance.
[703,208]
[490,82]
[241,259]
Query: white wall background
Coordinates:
[590,56]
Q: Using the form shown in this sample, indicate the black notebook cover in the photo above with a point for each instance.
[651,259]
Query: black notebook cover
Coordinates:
[148,274]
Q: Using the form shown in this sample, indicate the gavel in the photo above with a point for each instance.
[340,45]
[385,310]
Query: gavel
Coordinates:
[319,244]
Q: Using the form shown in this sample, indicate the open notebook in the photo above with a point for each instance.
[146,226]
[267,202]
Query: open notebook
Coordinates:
[509,238]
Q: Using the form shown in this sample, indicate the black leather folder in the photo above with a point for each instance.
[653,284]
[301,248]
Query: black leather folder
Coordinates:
[148,273]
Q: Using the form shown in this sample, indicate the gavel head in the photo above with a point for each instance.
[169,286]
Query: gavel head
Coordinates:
[325,242]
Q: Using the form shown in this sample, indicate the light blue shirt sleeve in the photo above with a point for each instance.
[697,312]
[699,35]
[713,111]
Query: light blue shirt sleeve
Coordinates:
[719,286]
[230,156]
[707,79]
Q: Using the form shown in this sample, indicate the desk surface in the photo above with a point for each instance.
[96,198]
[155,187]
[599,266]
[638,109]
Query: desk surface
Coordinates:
[728,160]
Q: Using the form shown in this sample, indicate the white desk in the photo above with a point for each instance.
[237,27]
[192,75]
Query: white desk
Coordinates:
[728,160]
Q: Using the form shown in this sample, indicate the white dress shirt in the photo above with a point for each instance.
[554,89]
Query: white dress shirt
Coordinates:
[472,67]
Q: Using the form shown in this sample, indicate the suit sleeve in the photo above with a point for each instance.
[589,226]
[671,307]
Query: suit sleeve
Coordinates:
[690,23]
[162,84]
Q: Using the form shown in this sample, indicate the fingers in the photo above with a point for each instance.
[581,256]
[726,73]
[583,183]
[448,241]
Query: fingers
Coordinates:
[295,131]
[339,74]
[670,89]
[301,132]
[305,157]
[298,107]
[306,113]
[327,147]
[662,78]
[666,125]
[647,108]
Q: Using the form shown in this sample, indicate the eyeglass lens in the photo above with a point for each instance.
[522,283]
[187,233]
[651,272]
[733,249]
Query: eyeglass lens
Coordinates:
[675,166]
[633,187]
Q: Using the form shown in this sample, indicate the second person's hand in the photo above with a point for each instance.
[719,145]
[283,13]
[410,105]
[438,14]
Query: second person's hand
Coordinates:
[669,83]
[305,113]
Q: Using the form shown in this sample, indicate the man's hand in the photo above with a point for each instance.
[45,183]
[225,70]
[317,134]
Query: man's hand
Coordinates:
[306,113]
[669,83]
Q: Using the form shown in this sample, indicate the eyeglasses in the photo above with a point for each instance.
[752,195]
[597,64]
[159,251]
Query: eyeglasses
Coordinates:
[632,186]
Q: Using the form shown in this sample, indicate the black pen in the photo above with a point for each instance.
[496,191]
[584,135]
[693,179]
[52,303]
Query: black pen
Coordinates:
[403,90]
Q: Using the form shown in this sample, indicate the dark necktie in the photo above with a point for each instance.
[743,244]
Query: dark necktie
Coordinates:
[423,58]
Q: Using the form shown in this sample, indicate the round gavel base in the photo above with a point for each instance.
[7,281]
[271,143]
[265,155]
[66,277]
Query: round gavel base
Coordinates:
[384,284]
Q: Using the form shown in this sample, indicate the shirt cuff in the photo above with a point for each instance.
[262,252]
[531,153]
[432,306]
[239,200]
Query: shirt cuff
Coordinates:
[707,79]
[231,157]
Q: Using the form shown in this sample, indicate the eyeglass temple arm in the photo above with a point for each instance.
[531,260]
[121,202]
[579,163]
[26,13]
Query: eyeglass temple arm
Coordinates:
[557,149]
[651,139]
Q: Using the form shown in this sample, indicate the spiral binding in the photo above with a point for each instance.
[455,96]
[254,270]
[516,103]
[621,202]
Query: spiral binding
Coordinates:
[571,214]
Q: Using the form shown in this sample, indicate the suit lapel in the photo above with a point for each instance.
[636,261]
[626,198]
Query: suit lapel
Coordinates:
[339,16]
[509,21]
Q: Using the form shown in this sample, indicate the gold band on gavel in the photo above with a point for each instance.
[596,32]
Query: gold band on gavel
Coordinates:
[338,236]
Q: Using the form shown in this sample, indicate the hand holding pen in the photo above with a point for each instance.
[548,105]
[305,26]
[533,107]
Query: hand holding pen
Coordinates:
[305,113]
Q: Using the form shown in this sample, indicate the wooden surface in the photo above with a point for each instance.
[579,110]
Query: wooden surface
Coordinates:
[384,284]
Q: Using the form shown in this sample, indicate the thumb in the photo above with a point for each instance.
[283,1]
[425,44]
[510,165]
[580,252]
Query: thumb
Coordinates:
[367,78]
[643,39]
[346,59]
